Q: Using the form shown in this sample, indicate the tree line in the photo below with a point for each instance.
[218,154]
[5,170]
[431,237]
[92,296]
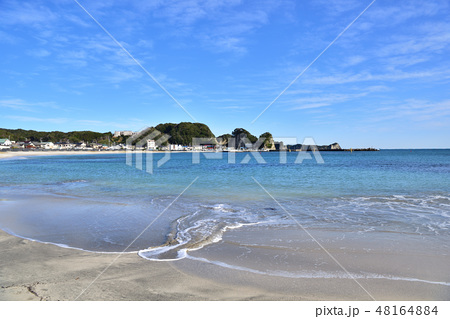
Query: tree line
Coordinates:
[20,135]
[181,133]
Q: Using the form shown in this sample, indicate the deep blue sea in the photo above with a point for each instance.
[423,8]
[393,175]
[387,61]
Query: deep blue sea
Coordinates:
[185,209]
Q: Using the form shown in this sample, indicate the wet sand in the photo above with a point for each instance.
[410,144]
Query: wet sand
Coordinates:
[8,154]
[35,271]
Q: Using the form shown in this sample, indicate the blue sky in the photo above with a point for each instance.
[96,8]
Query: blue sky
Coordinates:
[383,83]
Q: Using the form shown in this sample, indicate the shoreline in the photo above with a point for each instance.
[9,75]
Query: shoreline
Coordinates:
[9,154]
[32,270]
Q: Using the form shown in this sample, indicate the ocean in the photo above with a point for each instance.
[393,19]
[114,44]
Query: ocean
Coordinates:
[382,215]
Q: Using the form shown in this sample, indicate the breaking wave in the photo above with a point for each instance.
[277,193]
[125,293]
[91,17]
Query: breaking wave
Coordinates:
[193,232]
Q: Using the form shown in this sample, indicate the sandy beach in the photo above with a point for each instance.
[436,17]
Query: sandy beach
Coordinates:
[44,272]
[9,154]
[52,153]
[36,271]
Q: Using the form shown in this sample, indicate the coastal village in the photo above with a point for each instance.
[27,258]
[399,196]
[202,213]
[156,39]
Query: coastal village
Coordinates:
[240,143]
[6,144]
[179,137]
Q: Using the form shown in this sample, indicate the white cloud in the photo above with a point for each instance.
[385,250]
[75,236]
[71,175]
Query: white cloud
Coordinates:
[318,101]
[414,110]
[116,76]
[435,74]
[19,104]
[188,12]
[397,12]
[230,22]
[26,13]
[225,44]
[39,53]
[337,7]
[394,35]
[77,58]
[411,45]
[147,44]
[311,106]
[355,59]
[37,119]
[15,104]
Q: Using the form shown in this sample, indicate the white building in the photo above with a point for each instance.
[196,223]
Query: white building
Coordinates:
[65,146]
[151,145]
[80,146]
[176,147]
[47,145]
[5,143]
[123,133]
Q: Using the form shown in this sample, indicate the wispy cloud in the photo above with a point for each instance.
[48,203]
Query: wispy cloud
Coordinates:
[354,60]
[323,100]
[19,104]
[411,113]
[230,22]
[15,104]
[337,7]
[312,105]
[25,13]
[233,108]
[397,12]
[118,76]
[39,53]
[391,35]
[37,119]
[429,41]
[55,29]
[435,74]
[73,58]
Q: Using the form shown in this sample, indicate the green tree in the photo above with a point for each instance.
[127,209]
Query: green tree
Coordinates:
[239,131]
[268,138]
[223,139]
[184,132]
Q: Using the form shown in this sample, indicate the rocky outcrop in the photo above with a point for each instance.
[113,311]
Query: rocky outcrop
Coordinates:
[331,147]
[334,147]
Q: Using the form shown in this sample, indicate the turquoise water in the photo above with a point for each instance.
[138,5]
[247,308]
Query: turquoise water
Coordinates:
[98,203]
[386,172]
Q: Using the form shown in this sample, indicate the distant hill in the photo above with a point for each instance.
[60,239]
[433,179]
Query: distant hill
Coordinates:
[240,131]
[184,132]
[55,136]
[181,133]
